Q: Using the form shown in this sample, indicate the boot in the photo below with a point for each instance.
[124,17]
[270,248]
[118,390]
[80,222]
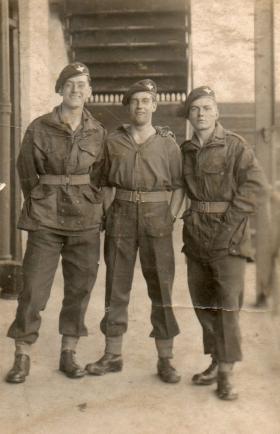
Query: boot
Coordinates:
[225,389]
[69,366]
[166,371]
[207,377]
[108,363]
[20,369]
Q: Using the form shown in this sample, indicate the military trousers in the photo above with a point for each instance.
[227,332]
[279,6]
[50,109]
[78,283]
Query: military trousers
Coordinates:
[157,262]
[216,290]
[80,259]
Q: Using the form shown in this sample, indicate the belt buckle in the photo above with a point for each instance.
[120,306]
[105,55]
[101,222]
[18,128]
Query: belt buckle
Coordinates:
[205,207]
[137,196]
[67,179]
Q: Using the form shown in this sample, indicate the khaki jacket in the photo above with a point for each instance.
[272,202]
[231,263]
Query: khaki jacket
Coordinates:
[51,147]
[223,170]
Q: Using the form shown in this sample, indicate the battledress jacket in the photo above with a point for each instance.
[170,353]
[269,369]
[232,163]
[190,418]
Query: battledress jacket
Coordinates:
[51,147]
[223,170]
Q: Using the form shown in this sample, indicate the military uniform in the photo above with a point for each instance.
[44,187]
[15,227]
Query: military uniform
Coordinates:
[222,180]
[139,220]
[60,173]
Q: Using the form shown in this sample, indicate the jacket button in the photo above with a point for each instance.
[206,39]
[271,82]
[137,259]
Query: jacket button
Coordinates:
[62,221]
[77,201]
[78,222]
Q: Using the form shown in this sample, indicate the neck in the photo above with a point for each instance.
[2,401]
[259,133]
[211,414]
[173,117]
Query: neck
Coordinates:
[71,116]
[203,135]
[141,133]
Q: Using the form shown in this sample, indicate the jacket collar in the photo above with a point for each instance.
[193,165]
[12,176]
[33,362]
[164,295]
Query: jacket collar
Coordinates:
[54,119]
[216,138]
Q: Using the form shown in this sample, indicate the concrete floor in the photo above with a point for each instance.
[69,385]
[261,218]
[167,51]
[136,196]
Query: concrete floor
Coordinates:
[135,401]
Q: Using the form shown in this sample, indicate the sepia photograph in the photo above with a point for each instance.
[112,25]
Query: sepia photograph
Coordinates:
[140,216]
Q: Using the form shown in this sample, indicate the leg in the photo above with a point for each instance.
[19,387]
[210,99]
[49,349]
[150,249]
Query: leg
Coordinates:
[157,261]
[201,287]
[229,276]
[39,266]
[80,259]
[120,256]
[202,291]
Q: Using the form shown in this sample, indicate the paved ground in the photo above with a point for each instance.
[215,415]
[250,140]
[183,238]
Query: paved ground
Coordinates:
[135,401]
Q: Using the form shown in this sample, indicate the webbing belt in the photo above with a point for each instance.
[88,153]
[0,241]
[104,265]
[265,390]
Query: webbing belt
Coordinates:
[209,207]
[64,179]
[141,196]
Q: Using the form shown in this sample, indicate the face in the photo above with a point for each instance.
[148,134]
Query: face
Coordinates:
[76,91]
[141,108]
[203,114]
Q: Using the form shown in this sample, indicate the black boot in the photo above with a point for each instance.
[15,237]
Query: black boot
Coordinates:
[69,366]
[108,363]
[207,377]
[166,371]
[20,369]
[225,389]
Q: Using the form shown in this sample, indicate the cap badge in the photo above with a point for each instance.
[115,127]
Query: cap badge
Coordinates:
[80,68]
[206,89]
[150,86]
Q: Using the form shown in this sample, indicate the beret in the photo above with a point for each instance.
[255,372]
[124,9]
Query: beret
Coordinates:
[69,71]
[140,86]
[196,93]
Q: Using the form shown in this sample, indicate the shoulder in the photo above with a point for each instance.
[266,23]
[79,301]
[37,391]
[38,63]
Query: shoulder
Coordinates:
[234,138]
[93,121]
[38,122]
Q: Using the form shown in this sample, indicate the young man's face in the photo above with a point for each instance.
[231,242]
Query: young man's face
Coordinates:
[203,113]
[76,91]
[141,108]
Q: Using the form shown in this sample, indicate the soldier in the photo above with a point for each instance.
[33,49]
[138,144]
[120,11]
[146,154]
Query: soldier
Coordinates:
[59,167]
[144,163]
[222,180]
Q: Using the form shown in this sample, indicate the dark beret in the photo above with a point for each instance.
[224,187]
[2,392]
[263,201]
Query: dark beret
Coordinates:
[140,86]
[69,71]
[196,93]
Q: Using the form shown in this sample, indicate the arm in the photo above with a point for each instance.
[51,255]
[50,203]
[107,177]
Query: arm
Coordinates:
[26,165]
[176,201]
[251,185]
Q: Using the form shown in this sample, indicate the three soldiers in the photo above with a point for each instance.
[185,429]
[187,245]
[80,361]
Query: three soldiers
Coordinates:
[62,160]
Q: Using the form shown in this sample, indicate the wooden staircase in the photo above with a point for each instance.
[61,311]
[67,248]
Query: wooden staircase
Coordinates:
[123,41]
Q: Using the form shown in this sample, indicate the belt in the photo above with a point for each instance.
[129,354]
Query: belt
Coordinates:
[64,179]
[209,207]
[141,196]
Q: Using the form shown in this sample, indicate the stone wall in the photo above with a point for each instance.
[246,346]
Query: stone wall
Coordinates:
[43,53]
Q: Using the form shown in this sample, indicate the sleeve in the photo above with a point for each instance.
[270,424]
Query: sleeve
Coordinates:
[251,183]
[96,172]
[106,167]
[251,187]
[175,165]
[26,165]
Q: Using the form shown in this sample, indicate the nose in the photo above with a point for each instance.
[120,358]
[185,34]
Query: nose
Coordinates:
[201,111]
[74,87]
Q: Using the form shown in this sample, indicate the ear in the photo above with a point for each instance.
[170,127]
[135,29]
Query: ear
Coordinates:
[61,91]
[154,106]
[217,114]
